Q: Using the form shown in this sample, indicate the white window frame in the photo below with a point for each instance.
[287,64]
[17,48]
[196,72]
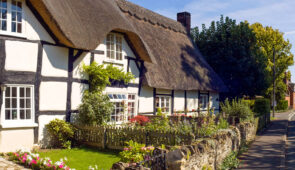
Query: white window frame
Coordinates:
[19,122]
[126,101]
[204,103]
[131,101]
[9,21]
[165,103]
[114,60]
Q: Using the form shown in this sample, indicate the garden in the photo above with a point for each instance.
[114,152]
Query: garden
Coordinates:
[92,143]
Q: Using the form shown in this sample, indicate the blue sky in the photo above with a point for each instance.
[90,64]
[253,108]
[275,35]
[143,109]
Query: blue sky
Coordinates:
[279,14]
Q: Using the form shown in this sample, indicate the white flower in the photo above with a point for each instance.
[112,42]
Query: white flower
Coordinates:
[65,158]
[29,157]
[96,167]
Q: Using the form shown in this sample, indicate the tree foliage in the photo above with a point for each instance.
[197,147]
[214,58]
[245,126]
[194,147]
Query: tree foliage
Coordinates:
[96,106]
[241,54]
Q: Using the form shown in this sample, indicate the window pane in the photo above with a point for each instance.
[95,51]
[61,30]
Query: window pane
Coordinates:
[28,114]
[13,5]
[28,103]
[28,92]
[22,103]
[21,92]
[13,16]
[119,96]
[115,96]
[22,114]
[7,103]
[124,96]
[7,115]
[4,3]
[108,54]
[4,25]
[19,28]
[19,17]
[112,55]
[14,103]
[19,6]
[4,13]
[14,114]
[13,27]
[14,92]
[7,92]
[110,96]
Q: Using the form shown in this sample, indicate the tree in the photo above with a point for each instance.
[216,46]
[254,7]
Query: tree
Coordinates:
[231,50]
[268,40]
[96,106]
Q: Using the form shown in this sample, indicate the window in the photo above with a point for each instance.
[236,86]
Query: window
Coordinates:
[11,17]
[131,106]
[114,46]
[18,102]
[203,103]
[120,101]
[164,103]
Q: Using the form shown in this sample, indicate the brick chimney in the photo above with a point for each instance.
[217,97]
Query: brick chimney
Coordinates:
[185,19]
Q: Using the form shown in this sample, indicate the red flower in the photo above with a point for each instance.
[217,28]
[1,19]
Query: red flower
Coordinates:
[142,120]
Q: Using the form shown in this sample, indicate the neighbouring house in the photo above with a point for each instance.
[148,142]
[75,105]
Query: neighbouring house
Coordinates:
[290,94]
[43,44]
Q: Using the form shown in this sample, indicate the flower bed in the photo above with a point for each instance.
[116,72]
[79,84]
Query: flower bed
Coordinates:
[33,161]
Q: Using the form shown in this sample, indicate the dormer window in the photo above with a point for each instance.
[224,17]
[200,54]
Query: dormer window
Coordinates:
[114,46]
[11,17]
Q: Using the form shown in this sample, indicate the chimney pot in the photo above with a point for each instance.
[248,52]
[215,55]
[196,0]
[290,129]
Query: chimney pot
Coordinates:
[185,19]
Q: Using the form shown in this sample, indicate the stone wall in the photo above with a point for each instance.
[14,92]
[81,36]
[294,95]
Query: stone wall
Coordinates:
[209,152]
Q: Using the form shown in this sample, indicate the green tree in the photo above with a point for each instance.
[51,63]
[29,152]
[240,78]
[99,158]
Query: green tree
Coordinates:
[231,49]
[268,40]
[96,106]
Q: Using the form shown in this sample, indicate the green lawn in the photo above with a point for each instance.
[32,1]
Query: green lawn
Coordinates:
[82,158]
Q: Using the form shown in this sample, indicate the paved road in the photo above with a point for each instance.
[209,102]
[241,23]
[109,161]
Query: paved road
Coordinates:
[290,149]
[268,150]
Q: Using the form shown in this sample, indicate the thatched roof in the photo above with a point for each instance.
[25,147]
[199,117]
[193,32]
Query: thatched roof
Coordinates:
[172,61]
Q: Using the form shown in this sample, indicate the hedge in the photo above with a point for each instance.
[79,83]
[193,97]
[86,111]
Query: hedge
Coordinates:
[282,105]
[262,106]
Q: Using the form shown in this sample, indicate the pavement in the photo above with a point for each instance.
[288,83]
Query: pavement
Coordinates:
[275,147]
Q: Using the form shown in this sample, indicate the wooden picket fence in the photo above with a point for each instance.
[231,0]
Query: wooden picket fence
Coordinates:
[116,137]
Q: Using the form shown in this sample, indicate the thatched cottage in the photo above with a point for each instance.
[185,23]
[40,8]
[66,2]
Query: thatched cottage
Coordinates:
[43,44]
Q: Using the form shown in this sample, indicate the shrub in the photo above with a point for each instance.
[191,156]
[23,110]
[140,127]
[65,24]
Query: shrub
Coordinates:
[282,105]
[222,124]
[207,128]
[95,109]
[237,108]
[161,122]
[262,106]
[61,133]
[141,120]
[250,103]
[135,152]
[230,162]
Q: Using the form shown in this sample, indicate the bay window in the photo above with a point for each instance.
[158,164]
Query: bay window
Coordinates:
[11,17]
[124,107]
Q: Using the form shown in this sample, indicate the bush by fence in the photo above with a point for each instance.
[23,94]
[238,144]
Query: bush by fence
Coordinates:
[116,138]
[262,106]
[282,105]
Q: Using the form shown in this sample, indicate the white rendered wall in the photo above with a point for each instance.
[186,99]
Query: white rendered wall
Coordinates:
[146,100]
[33,29]
[12,140]
[21,56]
[214,100]
[55,61]
[77,69]
[163,91]
[53,96]
[179,101]
[77,94]
[192,100]
[44,120]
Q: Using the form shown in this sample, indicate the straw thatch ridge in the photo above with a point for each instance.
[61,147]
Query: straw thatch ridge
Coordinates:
[171,59]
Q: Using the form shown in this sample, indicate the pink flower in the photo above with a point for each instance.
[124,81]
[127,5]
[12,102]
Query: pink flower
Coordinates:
[33,161]
[61,166]
[126,149]
[143,149]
